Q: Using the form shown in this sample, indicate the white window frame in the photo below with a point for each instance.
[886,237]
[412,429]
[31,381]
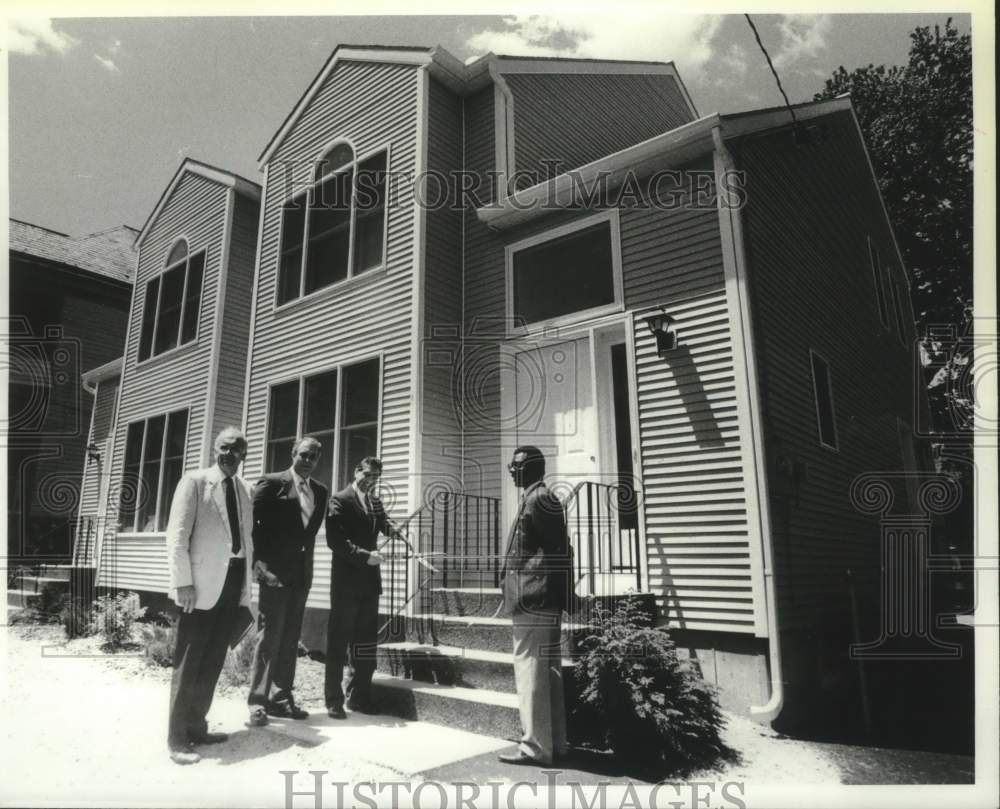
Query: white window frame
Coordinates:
[611,216]
[835,447]
[135,531]
[153,356]
[351,277]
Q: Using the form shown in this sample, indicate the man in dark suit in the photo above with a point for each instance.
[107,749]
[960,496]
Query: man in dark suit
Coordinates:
[535,580]
[209,547]
[288,508]
[354,520]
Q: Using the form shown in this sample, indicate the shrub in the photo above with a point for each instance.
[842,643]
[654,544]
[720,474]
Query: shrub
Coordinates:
[159,640]
[76,617]
[114,617]
[654,708]
[238,667]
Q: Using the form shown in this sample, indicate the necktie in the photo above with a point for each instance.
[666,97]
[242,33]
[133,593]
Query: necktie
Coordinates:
[305,502]
[234,515]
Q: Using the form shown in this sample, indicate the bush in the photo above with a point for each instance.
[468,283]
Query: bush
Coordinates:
[159,640]
[114,617]
[76,617]
[654,708]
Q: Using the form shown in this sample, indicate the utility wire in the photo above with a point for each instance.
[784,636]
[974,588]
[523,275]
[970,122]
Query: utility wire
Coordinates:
[753,28]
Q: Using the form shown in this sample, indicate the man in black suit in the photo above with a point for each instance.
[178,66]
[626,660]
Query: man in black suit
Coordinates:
[288,508]
[354,520]
[535,580]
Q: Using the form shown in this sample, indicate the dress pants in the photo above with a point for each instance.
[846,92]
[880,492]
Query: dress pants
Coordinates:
[202,640]
[538,677]
[354,623]
[280,613]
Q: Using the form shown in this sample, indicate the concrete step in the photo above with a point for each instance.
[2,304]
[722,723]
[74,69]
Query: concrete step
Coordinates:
[452,665]
[491,713]
[21,598]
[465,600]
[38,583]
[64,572]
[486,632]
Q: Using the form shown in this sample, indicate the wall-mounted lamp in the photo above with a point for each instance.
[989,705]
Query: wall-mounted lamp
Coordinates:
[660,325]
[93,452]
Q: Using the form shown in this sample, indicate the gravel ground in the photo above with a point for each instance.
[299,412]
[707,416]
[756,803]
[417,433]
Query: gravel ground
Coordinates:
[84,726]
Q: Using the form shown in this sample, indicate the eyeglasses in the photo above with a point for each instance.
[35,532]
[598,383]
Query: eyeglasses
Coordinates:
[515,467]
[309,456]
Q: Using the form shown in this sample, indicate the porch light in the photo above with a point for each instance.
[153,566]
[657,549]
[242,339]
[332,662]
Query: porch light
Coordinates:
[660,324]
[93,452]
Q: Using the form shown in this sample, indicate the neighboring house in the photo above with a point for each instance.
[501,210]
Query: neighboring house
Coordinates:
[708,467]
[69,299]
[181,378]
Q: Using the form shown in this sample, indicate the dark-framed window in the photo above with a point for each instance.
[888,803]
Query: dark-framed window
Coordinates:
[154,464]
[826,424]
[172,302]
[883,309]
[339,407]
[574,269]
[334,230]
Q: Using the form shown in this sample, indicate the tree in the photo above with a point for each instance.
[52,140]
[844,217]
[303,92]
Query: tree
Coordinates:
[917,124]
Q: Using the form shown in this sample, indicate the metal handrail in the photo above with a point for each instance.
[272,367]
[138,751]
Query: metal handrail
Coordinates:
[588,528]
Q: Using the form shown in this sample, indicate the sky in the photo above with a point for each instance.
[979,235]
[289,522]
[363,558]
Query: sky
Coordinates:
[102,111]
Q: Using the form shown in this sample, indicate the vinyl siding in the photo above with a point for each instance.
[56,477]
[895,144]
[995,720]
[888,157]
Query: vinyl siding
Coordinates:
[236,315]
[373,106]
[88,527]
[810,210]
[694,489]
[172,381]
[441,429]
[577,118]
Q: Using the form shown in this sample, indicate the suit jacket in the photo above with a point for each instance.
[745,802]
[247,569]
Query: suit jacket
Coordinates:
[352,533]
[537,568]
[279,538]
[199,541]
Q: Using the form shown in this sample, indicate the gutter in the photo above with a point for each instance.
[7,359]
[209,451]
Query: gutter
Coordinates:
[770,710]
[90,378]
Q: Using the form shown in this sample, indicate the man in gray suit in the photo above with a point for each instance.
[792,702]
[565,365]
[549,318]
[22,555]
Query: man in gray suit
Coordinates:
[535,579]
[209,550]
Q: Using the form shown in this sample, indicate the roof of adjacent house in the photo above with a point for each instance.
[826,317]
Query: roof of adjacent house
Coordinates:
[107,252]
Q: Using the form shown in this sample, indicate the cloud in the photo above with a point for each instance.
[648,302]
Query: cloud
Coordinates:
[684,38]
[107,63]
[803,36]
[32,36]
[735,59]
[115,47]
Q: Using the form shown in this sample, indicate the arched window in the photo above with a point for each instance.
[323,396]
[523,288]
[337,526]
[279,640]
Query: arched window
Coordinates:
[336,228]
[172,302]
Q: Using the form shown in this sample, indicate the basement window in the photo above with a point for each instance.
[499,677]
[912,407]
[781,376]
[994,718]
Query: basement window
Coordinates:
[823,395]
[567,272]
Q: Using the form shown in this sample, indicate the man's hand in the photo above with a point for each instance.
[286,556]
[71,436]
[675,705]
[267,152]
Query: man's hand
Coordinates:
[185,598]
[265,576]
[374,558]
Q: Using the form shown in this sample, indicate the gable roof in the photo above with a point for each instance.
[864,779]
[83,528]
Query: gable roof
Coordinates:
[191,166]
[460,78]
[108,253]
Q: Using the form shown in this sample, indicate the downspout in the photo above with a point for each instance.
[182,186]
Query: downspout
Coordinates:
[503,123]
[770,710]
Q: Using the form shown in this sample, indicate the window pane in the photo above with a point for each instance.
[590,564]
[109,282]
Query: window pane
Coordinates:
[173,470]
[324,469]
[339,155]
[148,318]
[176,432]
[150,474]
[130,486]
[355,444]
[369,216]
[293,224]
[178,252]
[279,454]
[360,402]
[321,403]
[824,401]
[169,320]
[564,275]
[283,412]
[329,232]
[192,298]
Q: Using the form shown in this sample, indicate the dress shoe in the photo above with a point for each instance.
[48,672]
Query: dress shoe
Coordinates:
[336,712]
[521,758]
[258,716]
[184,755]
[287,709]
[208,738]
[364,706]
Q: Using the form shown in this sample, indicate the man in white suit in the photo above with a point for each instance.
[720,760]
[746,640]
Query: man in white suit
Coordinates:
[209,551]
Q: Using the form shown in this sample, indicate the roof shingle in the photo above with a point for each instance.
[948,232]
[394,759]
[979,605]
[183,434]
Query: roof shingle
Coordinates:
[106,252]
